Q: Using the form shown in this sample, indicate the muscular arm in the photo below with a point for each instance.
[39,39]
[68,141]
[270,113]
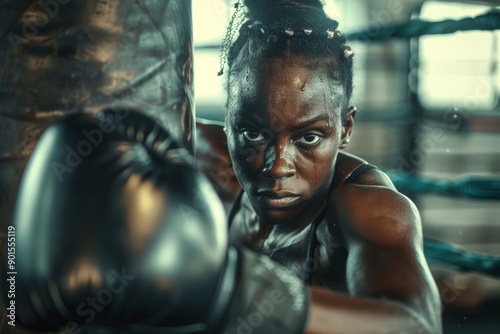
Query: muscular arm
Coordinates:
[391,289]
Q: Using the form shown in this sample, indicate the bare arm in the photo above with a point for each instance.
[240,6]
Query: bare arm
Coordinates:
[390,286]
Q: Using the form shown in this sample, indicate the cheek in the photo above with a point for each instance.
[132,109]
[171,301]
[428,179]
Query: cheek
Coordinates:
[318,166]
[245,159]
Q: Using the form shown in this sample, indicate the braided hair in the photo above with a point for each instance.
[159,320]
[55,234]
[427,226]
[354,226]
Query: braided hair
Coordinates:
[276,28]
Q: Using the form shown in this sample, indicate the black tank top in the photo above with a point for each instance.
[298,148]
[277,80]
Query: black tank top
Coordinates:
[311,246]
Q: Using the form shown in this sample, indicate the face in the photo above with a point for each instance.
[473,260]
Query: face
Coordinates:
[284,130]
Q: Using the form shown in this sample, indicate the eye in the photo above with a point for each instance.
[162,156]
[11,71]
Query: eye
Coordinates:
[253,136]
[309,139]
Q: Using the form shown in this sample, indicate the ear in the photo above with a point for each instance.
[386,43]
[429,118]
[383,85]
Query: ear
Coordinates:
[347,126]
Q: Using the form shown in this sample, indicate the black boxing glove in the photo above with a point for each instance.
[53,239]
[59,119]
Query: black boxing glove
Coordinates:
[117,231]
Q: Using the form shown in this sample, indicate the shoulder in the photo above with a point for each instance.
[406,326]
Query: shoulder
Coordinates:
[369,208]
[347,163]
[370,203]
[375,214]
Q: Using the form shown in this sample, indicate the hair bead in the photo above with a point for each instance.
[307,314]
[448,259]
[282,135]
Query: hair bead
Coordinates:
[348,53]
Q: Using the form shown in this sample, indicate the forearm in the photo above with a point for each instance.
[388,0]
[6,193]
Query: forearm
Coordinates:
[332,312]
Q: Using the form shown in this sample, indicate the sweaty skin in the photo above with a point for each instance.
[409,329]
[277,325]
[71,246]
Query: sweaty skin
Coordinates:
[285,130]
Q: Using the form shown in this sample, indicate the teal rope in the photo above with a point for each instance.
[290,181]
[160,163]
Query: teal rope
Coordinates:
[452,256]
[416,28]
[467,186]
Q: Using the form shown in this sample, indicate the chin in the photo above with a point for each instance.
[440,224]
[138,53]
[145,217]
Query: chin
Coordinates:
[276,216]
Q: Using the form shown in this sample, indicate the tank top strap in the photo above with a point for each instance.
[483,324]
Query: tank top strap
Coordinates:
[358,171]
[234,209]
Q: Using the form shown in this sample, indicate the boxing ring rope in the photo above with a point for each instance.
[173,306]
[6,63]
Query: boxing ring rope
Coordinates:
[416,28]
[461,259]
[473,187]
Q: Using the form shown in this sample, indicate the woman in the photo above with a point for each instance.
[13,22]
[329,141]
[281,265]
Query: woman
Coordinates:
[333,219]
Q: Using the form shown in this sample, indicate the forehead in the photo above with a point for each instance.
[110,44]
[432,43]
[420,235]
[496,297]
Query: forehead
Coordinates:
[284,84]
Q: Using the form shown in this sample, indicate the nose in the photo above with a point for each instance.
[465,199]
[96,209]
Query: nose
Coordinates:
[278,164]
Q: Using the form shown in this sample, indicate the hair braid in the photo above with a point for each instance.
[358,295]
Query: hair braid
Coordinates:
[274,27]
[236,19]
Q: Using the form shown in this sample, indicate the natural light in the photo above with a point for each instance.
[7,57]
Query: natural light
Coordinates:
[467,78]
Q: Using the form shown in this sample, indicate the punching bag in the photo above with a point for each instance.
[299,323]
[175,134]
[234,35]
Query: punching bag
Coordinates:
[59,57]
[62,56]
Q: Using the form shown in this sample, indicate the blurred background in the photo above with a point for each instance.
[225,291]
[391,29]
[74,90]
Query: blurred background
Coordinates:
[428,107]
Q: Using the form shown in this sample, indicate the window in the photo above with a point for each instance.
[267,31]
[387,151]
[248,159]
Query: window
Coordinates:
[210,19]
[459,70]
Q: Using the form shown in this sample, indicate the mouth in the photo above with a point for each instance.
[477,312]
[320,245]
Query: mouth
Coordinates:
[277,199]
